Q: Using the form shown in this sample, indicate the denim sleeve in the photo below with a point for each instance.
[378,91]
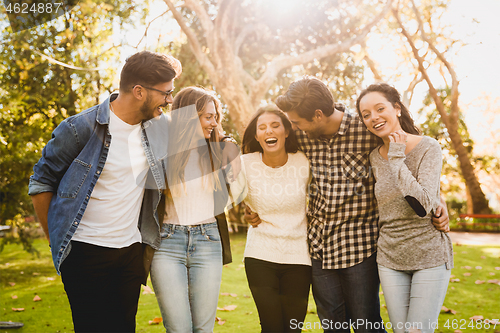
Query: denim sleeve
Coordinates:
[57,156]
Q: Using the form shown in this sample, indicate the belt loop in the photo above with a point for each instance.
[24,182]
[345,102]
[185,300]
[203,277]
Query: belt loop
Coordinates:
[202,229]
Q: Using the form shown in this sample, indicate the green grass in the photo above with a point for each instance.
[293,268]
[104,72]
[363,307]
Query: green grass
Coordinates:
[36,276]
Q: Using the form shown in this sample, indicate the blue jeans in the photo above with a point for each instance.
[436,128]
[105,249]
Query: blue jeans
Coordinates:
[348,296]
[186,272]
[414,298]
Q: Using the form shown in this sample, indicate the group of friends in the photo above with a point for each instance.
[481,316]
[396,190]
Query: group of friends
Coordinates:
[341,201]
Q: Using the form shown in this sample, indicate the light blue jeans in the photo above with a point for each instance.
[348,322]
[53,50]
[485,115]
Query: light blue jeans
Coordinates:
[414,298]
[186,272]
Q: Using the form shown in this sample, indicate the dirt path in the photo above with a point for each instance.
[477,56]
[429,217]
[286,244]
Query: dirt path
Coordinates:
[475,238]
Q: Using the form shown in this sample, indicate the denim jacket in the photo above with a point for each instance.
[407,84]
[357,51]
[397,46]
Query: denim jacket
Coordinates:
[70,166]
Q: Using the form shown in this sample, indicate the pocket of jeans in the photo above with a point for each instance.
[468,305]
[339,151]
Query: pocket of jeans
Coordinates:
[73,179]
[166,232]
[212,234]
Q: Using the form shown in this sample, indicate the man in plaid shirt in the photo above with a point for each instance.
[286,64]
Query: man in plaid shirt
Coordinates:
[342,213]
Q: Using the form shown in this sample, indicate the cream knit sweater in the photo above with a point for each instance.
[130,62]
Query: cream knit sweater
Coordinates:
[279,196]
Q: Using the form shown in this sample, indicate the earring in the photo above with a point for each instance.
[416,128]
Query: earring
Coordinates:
[399,114]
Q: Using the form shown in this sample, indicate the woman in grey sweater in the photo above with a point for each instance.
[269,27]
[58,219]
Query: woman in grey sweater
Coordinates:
[414,259]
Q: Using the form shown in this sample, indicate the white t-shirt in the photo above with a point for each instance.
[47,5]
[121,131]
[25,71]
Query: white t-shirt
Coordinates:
[194,203]
[112,214]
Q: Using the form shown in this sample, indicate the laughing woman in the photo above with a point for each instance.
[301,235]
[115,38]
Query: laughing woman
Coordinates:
[277,261]
[414,259]
[186,270]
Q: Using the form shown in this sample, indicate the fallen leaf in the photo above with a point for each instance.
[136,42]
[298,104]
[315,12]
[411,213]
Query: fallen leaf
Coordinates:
[246,296]
[467,267]
[494,281]
[14,296]
[491,273]
[493,321]
[446,310]
[12,284]
[156,321]
[457,331]
[228,308]
[497,268]
[229,294]
[455,280]
[452,288]
[483,257]
[476,318]
[464,252]
[147,290]
[220,321]
[21,272]
[467,274]
[479,267]
[479,282]
[17,309]
[452,276]
[51,278]
[35,273]
[36,298]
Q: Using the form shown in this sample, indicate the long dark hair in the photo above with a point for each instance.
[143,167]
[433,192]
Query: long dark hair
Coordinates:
[393,96]
[250,143]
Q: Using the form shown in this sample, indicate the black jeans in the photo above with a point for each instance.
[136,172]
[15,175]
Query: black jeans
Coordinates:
[348,296]
[280,292]
[103,286]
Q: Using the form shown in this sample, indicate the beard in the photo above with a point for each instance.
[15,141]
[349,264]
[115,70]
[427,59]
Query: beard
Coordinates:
[148,109]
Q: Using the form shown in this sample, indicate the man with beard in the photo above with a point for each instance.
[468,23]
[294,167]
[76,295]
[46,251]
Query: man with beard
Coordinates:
[87,190]
[342,212]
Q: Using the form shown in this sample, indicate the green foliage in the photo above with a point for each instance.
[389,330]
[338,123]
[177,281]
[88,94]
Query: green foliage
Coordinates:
[36,276]
[36,93]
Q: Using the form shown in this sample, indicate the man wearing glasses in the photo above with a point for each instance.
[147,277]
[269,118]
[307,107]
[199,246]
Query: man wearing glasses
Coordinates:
[87,190]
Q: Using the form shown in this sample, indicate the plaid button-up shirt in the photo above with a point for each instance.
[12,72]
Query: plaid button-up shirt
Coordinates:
[342,212]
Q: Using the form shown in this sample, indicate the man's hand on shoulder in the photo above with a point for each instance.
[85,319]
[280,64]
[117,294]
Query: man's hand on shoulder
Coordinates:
[440,218]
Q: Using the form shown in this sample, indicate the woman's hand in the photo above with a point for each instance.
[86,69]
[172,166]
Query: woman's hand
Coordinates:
[399,136]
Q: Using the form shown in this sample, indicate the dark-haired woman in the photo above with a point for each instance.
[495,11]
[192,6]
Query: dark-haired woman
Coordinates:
[186,270]
[414,259]
[277,261]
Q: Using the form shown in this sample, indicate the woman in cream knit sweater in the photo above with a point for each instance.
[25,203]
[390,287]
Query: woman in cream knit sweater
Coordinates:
[277,263]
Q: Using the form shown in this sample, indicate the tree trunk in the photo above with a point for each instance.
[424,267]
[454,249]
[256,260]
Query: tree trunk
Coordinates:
[478,199]
[450,120]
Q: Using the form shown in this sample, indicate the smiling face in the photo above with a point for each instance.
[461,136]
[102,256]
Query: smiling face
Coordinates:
[271,133]
[311,128]
[155,100]
[208,120]
[379,115]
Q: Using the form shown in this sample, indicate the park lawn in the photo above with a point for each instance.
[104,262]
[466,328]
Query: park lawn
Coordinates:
[27,276]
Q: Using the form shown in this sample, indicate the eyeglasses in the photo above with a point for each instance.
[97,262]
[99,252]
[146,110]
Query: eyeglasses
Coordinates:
[166,93]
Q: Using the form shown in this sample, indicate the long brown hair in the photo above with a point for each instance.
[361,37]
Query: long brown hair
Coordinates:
[188,105]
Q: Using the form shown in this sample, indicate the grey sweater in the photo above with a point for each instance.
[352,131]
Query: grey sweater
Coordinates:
[407,192]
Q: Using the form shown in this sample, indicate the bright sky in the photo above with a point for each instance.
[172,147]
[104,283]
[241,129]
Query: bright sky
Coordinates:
[476,63]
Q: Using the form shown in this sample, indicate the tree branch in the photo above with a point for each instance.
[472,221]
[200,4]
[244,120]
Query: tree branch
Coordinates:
[193,41]
[282,62]
[147,28]
[449,67]
[408,93]
[247,29]
[432,90]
